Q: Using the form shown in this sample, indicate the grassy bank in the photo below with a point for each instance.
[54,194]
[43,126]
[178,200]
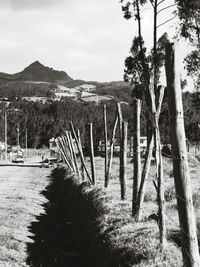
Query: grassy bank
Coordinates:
[87,226]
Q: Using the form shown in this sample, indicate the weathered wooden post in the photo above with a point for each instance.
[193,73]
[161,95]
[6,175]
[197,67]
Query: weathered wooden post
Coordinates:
[74,154]
[81,150]
[136,153]
[93,171]
[190,250]
[147,162]
[66,151]
[105,143]
[69,147]
[6,145]
[63,154]
[159,163]
[123,159]
[119,112]
[69,150]
[112,141]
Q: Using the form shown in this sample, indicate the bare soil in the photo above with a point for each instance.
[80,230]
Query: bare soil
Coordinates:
[20,203]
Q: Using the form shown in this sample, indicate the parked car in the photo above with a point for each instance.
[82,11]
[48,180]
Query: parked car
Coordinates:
[18,159]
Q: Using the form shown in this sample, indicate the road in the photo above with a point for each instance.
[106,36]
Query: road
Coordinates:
[20,203]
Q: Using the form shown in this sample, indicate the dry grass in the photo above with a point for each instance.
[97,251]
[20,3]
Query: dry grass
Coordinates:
[20,202]
[142,238]
[134,243]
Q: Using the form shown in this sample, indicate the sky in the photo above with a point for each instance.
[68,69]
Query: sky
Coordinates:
[88,39]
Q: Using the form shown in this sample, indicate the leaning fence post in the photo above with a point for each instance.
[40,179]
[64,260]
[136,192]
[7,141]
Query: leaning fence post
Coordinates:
[93,171]
[123,159]
[74,154]
[190,249]
[81,150]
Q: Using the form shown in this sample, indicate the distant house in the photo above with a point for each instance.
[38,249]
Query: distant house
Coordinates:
[86,87]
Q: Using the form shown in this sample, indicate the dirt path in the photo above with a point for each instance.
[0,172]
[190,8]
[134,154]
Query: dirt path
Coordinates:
[20,203]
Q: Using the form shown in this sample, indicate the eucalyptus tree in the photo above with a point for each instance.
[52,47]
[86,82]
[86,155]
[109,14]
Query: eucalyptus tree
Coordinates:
[189,15]
[144,69]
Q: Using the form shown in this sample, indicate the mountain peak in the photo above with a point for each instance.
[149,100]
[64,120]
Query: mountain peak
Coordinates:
[36,63]
[38,72]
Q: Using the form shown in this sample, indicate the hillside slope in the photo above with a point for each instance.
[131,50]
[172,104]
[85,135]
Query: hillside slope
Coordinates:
[37,72]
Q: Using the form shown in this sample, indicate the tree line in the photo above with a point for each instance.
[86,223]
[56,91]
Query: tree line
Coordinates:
[44,121]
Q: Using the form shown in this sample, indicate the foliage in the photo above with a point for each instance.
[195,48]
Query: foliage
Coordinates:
[189,15]
[188,12]
[18,89]
[44,121]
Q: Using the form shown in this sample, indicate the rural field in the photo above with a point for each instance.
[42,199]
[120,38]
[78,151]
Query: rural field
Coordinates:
[21,202]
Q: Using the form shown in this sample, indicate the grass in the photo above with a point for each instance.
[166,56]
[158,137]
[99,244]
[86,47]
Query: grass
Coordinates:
[142,238]
[20,202]
[133,243]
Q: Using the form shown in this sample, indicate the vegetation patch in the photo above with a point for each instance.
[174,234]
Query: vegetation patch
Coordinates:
[83,226]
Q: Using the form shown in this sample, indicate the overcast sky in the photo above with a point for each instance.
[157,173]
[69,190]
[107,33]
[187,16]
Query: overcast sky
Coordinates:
[89,39]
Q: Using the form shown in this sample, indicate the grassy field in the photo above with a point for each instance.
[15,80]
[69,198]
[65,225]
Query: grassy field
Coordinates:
[21,202]
[143,237]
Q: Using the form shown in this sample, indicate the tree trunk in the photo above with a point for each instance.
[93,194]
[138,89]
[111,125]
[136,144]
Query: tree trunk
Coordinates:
[190,248]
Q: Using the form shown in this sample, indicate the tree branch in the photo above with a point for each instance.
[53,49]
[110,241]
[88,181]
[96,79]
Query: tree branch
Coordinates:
[166,21]
[166,8]
[160,2]
[152,3]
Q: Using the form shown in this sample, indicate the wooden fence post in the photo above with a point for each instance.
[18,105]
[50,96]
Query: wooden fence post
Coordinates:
[81,149]
[63,154]
[136,153]
[190,248]
[119,112]
[112,141]
[93,171]
[105,144]
[123,159]
[74,154]
[70,155]
[65,148]
[159,163]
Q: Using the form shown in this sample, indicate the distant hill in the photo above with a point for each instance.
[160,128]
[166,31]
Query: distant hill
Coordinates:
[37,72]
[42,81]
